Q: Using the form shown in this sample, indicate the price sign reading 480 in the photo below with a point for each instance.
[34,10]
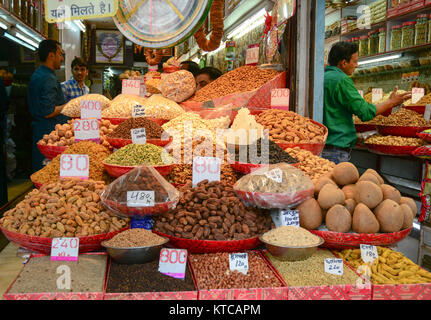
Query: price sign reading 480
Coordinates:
[173,262]
[74,166]
[206,168]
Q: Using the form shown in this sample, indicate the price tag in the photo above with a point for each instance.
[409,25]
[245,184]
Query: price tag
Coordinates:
[143,89]
[137,199]
[206,168]
[238,262]
[280,98]
[252,55]
[289,218]
[74,166]
[361,92]
[368,253]
[139,136]
[275,175]
[91,109]
[86,130]
[427,113]
[173,262]
[131,87]
[138,111]
[417,94]
[64,249]
[377,95]
[334,266]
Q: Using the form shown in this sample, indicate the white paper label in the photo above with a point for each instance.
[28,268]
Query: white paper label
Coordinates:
[74,166]
[131,87]
[238,262]
[289,218]
[139,136]
[368,253]
[417,94]
[173,262]
[334,266]
[91,109]
[143,89]
[206,168]
[280,98]
[86,130]
[252,55]
[275,175]
[138,111]
[136,199]
[427,113]
[64,249]
[377,95]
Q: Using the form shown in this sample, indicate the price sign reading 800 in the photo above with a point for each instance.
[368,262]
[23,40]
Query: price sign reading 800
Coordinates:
[74,166]
[206,168]
[173,262]
[86,130]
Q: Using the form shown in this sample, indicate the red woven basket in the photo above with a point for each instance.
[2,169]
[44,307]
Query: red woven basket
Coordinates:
[38,185]
[391,150]
[119,143]
[117,171]
[341,241]
[268,200]
[139,212]
[50,152]
[424,136]
[43,245]
[402,131]
[211,246]
[365,127]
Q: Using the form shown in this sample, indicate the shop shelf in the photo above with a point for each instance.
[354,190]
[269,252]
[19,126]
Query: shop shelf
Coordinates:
[357,32]
[400,70]
[411,8]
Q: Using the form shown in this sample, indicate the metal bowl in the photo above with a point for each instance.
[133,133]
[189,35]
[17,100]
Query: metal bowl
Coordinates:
[134,255]
[284,253]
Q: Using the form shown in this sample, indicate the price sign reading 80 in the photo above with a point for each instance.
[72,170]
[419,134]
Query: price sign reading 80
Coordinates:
[206,168]
[173,262]
[74,166]
[86,130]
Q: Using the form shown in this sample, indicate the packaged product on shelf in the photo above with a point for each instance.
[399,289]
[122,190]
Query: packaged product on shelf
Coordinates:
[212,211]
[421,29]
[363,46]
[73,107]
[179,86]
[160,107]
[396,36]
[140,154]
[68,208]
[408,34]
[373,42]
[123,130]
[122,106]
[382,40]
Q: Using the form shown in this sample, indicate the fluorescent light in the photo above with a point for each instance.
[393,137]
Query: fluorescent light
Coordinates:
[24,38]
[30,34]
[250,28]
[4,26]
[11,37]
[394,56]
[248,23]
[80,25]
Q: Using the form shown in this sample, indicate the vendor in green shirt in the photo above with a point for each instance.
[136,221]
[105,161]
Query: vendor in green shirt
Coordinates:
[342,100]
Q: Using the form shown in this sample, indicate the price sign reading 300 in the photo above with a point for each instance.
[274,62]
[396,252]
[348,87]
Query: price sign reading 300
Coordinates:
[74,166]
[173,262]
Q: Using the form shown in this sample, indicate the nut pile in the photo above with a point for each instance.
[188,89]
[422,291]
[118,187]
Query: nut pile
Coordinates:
[246,78]
[73,107]
[153,85]
[390,268]
[313,166]
[96,152]
[425,100]
[139,154]
[122,106]
[178,86]
[133,238]
[212,272]
[183,173]
[289,236]
[211,211]
[159,107]
[290,127]
[395,141]
[69,208]
[122,131]
[63,135]
[404,117]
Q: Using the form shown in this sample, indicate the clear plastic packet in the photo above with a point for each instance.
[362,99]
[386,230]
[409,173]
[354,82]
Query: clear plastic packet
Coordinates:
[276,186]
[179,86]
[140,192]
[73,107]
[122,106]
[160,107]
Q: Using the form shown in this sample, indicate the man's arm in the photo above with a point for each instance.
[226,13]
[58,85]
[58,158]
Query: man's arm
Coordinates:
[57,111]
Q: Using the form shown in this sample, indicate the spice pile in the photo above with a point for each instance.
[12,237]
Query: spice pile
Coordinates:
[139,154]
[183,173]
[122,131]
[159,107]
[122,106]
[246,78]
[133,238]
[211,211]
[96,152]
[289,236]
[69,208]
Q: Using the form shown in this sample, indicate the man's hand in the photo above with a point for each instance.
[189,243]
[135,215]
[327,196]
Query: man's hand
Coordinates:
[397,99]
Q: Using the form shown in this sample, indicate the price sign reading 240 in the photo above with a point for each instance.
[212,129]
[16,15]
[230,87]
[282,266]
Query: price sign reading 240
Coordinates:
[206,168]
[74,166]
[64,249]
[173,262]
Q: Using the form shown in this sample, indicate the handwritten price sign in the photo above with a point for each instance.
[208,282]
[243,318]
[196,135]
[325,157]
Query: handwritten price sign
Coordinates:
[289,218]
[417,94]
[238,262]
[280,98]
[173,262]
[139,136]
[252,55]
[376,95]
[131,87]
[334,266]
[368,253]
[91,109]
[138,199]
[74,166]
[206,168]
[64,249]
[138,111]
[86,130]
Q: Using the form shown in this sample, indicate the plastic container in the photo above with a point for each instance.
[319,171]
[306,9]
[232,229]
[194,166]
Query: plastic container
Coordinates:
[363,46]
[373,42]
[382,40]
[396,35]
[421,29]
[408,34]
[429,29]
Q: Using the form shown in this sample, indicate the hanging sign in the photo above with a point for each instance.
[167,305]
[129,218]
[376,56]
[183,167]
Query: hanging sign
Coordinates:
[230,52]
[66,10]
[206,168]
[91,109]
[252,55]
[173,262]
[64,249]
[417,94]
[87,129]
[280,98]
[74,166]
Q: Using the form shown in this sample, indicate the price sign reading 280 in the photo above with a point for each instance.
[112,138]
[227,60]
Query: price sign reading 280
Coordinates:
[206,168]
[74,166]
[86,130]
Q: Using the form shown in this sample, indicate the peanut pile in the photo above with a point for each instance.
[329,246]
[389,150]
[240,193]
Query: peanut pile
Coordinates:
[69,208]
[404,117]
[395,141]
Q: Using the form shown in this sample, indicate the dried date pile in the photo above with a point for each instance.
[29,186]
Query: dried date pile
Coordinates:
[211,211]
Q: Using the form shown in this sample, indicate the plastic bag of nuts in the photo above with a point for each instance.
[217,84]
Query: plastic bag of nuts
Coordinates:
[211,211]
[73,107]
[179,86]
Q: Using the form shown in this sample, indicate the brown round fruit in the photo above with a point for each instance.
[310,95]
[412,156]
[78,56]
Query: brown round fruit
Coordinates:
[390,192]
[369,177]
[408,216]
[411,203]
[390,216]
[364,220]
[345,173]
[329,196]
[338,219]
[350,205]
[368,193]
[310,214]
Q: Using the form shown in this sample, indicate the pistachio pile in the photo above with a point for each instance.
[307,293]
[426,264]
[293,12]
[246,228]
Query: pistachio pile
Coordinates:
[140,154]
